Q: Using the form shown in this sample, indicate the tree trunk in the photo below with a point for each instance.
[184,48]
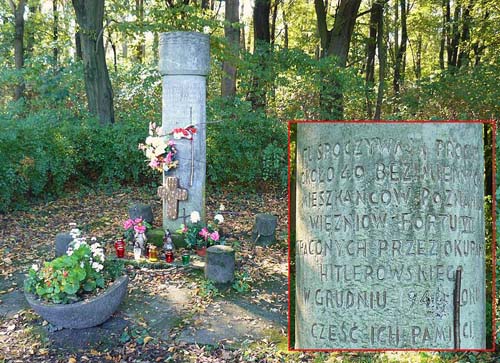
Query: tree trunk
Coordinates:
[273,22]
[382,61]
[261,31]
[205,4]
[55,33]
[418,58]
[232,34]
[262,38]
[464,57]
[442,40]
[335,43]
[89,16]
[18,10]
[78,47]
[371,45]
[34,7]
[140,48]
[455,38]
[285,35]
[401,51]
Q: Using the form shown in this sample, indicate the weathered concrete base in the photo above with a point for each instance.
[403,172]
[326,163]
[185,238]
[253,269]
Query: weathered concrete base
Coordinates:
[140,210]
[264,229]
[62,242]
[220,264]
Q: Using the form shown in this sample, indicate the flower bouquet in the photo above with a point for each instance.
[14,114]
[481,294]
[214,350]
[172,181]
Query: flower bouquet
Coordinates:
[200,236]
[159,151]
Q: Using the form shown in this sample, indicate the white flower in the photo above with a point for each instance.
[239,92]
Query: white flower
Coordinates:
[149,140]
[72,224]
[149,153]
[93,239]
[160,150]
[75,233]
[219,218]
[69,251]
[97,266]
[222,207]
[82,265]
[158,142]
[35,267]
[195,217]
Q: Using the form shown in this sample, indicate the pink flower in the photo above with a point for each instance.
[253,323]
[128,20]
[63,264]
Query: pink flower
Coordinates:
[214,236]
[140,229]
[138,220]
[153,163]
[205,233]
[169,158]
[128,224]
[171,143]
[184,229]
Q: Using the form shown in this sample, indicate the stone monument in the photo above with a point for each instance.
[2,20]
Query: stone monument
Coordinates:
[390,236]
[184,64]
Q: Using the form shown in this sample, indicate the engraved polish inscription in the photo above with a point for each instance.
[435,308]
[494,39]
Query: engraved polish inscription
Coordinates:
[385,216]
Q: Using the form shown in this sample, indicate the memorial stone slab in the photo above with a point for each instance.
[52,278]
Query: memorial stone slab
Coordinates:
[390,236]
[184,64]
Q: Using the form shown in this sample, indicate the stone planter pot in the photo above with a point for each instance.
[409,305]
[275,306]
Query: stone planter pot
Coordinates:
[201,251]
[82,314]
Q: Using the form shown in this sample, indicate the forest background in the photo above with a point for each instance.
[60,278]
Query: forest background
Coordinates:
[79,82]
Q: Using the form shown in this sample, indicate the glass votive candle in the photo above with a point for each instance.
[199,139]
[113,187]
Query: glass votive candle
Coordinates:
[120,248]
[185,259]
[153,253]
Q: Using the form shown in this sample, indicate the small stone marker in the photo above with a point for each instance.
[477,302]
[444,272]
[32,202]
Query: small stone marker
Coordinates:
[172,194]
[390,236]
[62,242]
[219,266]
[184,64]
[264,229]
[140,210]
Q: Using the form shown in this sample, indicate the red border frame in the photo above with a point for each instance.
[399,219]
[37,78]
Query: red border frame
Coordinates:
[493,236]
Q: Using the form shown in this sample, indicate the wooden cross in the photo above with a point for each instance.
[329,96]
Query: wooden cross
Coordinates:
[171,193]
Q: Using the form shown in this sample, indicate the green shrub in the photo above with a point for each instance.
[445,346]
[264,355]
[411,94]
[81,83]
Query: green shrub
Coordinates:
[244,146]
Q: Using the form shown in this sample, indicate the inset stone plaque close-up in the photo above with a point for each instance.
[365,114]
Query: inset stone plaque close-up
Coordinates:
[390,236]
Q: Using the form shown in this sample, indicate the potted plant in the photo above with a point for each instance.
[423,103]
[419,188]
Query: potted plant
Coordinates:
[201,236]
[78,290]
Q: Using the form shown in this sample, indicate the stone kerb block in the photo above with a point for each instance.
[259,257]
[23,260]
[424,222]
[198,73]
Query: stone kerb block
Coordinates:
[62,242]
[140,210]
[264,229]
[219,265]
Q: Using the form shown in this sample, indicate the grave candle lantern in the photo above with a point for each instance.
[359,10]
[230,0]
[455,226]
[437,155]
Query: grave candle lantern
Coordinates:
[120,248]
[153,253]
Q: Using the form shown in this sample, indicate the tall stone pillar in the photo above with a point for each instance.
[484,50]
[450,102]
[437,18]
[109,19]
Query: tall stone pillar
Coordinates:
[390,236]
[184,65]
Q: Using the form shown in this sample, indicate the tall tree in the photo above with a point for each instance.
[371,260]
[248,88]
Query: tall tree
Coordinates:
[55,32]
[140,48]
[232,34]
[335,42]
[374,43]
[89,16]
[454,37]
[18,10]
[371,46]
[382,61]
[401,49]
[262,39]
